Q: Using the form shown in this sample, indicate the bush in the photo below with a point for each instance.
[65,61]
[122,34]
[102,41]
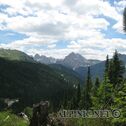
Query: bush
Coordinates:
[9,119]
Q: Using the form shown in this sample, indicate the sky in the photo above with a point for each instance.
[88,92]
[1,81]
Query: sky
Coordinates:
[93,28]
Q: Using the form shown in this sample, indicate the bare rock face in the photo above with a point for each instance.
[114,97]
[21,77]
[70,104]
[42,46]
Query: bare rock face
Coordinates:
[40,114]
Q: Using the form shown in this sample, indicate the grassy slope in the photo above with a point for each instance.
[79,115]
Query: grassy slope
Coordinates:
[9,119]
[15,55]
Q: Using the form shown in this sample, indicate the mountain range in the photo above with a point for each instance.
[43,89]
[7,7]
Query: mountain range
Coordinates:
[72,66]
[43,59]
[73,60]
[97,70]
[79,64]
[25,78]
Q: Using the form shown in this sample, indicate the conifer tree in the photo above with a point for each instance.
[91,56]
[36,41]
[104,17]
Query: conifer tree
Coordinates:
[95,87]
[89,80]
[106,65]
[104,91]
[120,105]
[78,95]
[94,96]
[82,99]
[116,70]
[97,82]
[104,96]
[88,89]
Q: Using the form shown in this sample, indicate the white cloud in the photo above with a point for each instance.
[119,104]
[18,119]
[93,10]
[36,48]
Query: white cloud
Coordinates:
[120,5]
[119,26]
[51,46]
[47,22]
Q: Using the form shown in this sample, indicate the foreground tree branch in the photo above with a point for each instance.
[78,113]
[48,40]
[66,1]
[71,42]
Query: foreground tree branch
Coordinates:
[124,20]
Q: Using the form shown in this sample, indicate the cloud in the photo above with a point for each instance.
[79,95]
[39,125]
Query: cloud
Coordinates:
[120,5]
[52,46]
[79,23]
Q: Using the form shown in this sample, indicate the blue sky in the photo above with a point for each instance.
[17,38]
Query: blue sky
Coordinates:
[58,27]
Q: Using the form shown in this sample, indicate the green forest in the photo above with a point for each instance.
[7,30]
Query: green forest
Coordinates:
[31,82]
[108,94]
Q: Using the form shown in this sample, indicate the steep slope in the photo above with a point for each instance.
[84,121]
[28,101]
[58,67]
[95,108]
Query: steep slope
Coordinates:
[75,60]
[97,70]
[122,57]
[15,55]
[44,59]
[31,82]
[66,72]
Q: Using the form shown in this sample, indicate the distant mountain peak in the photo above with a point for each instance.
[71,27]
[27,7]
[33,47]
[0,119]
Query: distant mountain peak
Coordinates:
[37,55]
[72,60]
[75,55]
[44,59]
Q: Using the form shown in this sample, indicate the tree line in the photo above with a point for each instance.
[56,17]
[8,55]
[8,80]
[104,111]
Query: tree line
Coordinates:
[109,93]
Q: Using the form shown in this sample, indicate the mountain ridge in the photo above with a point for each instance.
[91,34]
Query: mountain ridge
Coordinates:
[72,64]
[15,55]
[72,60]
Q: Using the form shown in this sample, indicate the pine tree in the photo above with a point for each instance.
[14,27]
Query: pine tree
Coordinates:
[82,99]
[78,95]
[116,70]
[104,97]
[106,65]
[107,92]
[95,86]
[120,105]
[94,96]
[104,91]
[88,89]
[65,100]
[97,83]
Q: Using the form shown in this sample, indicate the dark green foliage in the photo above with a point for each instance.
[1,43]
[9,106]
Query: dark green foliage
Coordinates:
[88,90]
[120,105]
[107,65]
[116,70]
[89,81]
[66,72]
[105,94]
[111,92]
[97,83]
[124,19]
[28,111]
[31,83]
[78,95]
[95,87]
[75,102]
[103,97]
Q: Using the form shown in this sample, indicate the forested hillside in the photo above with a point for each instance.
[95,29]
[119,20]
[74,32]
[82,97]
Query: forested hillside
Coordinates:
[32,82]
[27,83]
